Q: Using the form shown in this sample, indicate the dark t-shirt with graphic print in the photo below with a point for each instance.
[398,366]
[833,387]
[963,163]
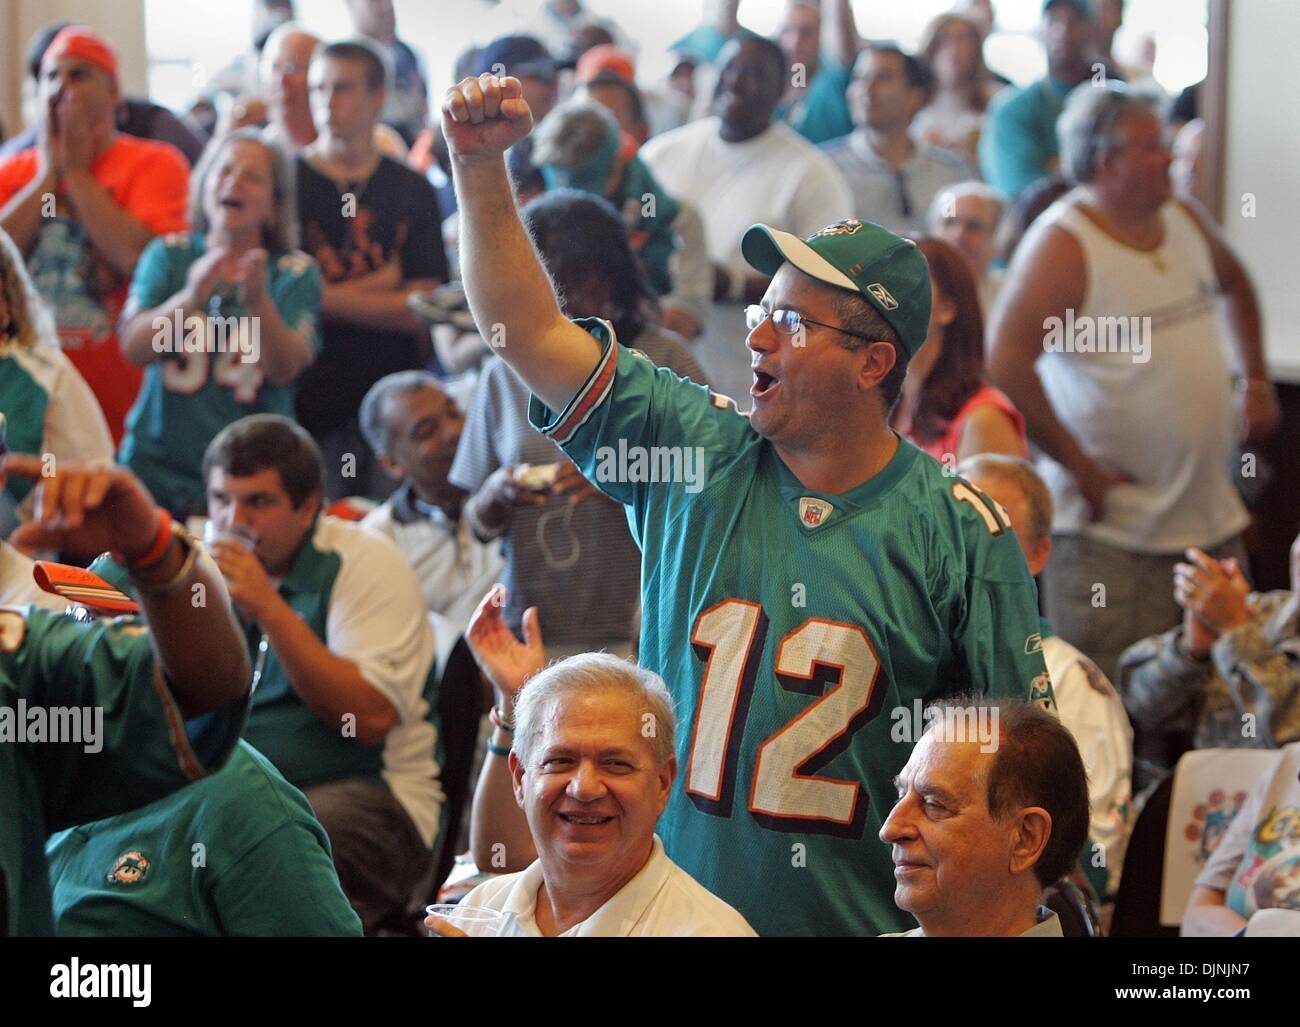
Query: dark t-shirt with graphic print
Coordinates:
[353,230]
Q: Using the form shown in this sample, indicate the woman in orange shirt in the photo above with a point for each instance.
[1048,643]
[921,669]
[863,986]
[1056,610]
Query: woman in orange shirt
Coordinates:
[947,408]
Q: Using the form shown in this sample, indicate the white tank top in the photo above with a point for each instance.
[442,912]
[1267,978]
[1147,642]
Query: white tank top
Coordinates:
[1166,421]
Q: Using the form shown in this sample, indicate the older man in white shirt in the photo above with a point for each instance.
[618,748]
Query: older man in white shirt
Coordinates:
[589,759]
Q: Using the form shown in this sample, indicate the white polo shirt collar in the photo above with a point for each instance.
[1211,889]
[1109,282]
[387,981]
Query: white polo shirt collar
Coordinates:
[617,918]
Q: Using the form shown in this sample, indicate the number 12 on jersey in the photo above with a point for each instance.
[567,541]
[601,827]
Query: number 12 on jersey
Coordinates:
[785,793]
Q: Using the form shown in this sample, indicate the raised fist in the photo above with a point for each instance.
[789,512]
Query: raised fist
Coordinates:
[485,116]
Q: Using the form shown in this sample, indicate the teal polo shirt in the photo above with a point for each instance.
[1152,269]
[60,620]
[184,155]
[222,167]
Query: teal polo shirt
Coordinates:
[358,595]
[239,853]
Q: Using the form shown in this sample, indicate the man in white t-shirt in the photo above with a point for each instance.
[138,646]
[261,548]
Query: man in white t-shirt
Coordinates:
[1087,702]
[591,764]
[1106,338]
[737,168]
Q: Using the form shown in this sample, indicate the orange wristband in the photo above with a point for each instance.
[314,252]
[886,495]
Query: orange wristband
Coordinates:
[156,551]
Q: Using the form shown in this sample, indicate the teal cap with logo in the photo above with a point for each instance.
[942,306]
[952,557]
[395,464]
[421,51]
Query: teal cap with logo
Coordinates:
[1084,7]
[888,272]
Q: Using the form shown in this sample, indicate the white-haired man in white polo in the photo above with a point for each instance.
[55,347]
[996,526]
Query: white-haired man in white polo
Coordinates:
[591,765]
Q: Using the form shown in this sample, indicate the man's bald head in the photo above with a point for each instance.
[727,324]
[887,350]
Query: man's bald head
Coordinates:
[967,215]
[285,59]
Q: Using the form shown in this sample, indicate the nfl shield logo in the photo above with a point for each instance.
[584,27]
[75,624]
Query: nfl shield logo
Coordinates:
[813,512]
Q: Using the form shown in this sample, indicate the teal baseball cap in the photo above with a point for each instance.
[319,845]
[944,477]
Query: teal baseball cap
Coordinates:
[1084,7]
[889,272]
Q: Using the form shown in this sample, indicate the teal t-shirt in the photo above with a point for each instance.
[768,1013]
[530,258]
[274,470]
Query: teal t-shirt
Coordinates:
[23,401]
[822,113]
[1019,137]
[62,671]
[650,230]
[237,854]
[791,626]
[187,398]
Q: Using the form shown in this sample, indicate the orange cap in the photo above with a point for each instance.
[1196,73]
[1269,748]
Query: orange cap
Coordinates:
[81,43]
[605,58]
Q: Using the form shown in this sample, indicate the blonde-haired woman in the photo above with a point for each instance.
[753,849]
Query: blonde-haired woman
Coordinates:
[48,407]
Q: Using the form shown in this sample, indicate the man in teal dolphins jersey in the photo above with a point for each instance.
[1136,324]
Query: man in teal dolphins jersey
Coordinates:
[811,577]
[157,708]
[237,854]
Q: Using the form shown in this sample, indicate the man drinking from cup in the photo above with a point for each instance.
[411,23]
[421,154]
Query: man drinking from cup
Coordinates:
[345,702]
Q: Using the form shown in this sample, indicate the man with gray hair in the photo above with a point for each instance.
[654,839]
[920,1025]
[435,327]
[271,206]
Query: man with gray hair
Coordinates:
[967,216]
[586,750]
[1106,339]
[1086,701]
[285,60]
[414,427]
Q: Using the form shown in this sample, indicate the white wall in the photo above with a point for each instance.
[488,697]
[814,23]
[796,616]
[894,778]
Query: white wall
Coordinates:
[1263,161]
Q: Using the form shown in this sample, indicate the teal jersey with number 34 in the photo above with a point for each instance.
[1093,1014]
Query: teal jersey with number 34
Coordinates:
[796,629]
[211,371]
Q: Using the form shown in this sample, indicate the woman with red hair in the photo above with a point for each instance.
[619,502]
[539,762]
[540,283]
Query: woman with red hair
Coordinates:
[947,407]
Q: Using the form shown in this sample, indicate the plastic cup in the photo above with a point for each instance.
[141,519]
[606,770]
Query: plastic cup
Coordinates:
[237,533]
[475,921]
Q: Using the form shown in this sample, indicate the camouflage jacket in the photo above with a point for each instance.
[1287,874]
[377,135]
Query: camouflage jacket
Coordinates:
[1252,670]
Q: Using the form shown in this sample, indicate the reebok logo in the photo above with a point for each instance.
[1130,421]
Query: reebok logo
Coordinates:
[883,296]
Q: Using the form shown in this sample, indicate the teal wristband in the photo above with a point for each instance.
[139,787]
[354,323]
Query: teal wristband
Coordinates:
[498,750]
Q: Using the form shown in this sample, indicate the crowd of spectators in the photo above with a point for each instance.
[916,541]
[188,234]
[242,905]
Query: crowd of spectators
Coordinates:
[377,342]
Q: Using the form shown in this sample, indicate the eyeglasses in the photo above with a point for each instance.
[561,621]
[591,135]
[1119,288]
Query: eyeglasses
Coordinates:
[790,322]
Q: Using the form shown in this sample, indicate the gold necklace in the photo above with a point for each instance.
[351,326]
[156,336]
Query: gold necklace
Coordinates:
[1156,255]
